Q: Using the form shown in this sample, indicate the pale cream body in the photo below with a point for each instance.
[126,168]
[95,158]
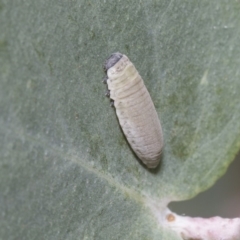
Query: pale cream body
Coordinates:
[136,112]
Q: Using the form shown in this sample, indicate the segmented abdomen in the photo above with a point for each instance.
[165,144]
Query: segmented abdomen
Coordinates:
[136,112]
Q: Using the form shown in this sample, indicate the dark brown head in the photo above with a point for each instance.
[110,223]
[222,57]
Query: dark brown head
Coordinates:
[112,60]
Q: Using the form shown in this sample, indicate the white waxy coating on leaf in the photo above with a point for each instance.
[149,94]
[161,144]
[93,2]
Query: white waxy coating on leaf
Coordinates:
[136,112]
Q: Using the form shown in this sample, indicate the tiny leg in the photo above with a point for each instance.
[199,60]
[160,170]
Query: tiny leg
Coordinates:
[105,80]
[107,93]
[111,103]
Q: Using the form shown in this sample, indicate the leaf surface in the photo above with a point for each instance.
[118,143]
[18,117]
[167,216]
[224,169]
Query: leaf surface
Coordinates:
[67,171]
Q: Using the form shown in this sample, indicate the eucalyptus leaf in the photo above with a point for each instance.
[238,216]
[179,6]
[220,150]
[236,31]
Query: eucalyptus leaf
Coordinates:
[66,170]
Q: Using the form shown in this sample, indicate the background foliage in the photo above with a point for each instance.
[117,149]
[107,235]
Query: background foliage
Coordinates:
[66,170]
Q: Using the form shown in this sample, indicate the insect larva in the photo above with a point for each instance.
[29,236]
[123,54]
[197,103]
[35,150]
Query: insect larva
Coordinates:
[134,108]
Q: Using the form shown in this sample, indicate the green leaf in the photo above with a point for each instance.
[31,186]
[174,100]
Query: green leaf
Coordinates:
[66,170]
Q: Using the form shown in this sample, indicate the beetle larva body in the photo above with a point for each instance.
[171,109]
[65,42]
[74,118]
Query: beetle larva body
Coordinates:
[135,110]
